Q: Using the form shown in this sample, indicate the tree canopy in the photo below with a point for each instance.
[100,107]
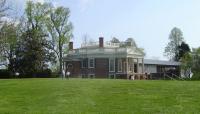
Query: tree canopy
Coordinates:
[182,49]
[60,29]
[3,9]
[33,53]
[175,40]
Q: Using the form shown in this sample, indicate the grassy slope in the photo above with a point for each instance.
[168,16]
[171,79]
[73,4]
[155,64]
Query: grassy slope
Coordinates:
[105,96]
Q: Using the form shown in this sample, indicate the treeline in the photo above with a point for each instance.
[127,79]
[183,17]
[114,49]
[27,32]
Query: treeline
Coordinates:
[37,41]
[178,50]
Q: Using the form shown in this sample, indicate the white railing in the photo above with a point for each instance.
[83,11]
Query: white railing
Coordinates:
[110,44]
[98,50]
[106,44]
[90,44]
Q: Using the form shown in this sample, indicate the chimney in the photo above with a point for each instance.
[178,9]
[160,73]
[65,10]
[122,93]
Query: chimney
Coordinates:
[70,46]
[101,42]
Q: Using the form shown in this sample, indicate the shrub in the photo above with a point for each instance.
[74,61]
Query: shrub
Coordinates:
[196,76]
[5,74]
[43,74]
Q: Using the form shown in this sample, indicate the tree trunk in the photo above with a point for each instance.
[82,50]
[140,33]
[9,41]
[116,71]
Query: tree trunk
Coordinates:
[60,60]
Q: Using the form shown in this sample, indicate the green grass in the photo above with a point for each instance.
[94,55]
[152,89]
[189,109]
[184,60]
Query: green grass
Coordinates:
[98,96]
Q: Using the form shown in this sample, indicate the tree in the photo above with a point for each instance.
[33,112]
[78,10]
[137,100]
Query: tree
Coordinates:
[33,53]
[3,9]
[8,39]
[196,60]
[176,38]
[186,64]
[195,63]
[183,49]
[60,29]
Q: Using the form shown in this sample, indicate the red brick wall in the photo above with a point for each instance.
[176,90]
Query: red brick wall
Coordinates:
[101,67]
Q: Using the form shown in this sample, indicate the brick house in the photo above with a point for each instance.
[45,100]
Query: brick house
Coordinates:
[105,60]
[113,60]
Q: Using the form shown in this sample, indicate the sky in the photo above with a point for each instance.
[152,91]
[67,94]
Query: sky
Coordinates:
[149,22]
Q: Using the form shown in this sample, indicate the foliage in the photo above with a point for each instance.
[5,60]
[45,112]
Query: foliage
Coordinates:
[176,38]
[33,53]
[60,30]
[3,9]
[191,62]
[5,74]
[196,62]
[186,64]
[8,39]
[183,49]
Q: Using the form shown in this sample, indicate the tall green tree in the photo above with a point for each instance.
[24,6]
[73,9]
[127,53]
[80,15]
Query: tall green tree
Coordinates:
[196,61]
[8,39]
[175,40]
[33,53]
[60,29]
[186,64]
[183,49]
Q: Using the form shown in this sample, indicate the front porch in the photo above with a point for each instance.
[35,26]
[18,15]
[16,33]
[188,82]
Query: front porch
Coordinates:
[128,68]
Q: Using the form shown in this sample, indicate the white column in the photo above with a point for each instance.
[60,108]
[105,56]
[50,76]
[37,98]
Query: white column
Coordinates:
[133,65]
[142,65]
[137,65]
[127,67]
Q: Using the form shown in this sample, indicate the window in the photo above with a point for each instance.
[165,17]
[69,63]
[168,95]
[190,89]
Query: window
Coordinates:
[84,63]
[91,63]
[119,65]
[112,65]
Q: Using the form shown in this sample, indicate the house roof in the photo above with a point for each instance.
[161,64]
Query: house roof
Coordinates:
[118,52]
[161,62]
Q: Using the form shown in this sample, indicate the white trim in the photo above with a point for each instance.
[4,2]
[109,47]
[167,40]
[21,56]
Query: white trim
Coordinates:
[89,63]
[118,67]
[114,65]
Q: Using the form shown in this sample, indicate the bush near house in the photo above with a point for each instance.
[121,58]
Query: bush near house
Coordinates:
[196,76]
[5,74]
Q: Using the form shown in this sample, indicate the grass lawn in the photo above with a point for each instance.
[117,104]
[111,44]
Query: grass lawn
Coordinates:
[88,96]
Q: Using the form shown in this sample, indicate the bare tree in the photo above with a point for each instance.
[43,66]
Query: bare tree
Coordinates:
[60,30]
[3,9]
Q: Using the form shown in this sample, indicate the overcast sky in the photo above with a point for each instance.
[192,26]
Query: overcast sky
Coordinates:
[149,22]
